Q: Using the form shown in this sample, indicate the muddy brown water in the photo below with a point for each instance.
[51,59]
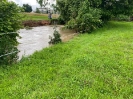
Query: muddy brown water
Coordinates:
[37,38]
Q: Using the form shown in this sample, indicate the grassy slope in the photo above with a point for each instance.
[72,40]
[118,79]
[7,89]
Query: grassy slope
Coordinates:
[98,65]
[35,16]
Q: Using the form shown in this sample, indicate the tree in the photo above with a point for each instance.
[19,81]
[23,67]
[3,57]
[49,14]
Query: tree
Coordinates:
[10,23]
[54,8]
[115,7]
[2,0]
[37,10]
[76,14]
[42,3]
[27,8]
[87,19]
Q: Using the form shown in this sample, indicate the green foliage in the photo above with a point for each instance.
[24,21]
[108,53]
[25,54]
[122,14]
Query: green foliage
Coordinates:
[10,21]
[115,7]
[42,3]
[122,17]
[37,11]
[56,39]
[87,20]
[63,7]
[54,8]
[27,8]
[91,12]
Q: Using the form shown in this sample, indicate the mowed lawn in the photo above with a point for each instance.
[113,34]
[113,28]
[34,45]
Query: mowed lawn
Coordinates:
[91,66]
[37,16]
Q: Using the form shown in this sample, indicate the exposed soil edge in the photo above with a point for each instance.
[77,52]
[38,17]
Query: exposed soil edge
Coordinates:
[35,23]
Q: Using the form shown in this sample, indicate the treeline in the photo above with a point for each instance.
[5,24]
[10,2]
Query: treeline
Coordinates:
[87,15]
[27,8]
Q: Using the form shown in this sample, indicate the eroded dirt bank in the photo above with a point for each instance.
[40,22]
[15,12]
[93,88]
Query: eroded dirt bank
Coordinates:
[35,23]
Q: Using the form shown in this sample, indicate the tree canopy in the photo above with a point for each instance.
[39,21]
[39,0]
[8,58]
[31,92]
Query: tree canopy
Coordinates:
[27,8]
[10,23]
[81,14]
[42,3]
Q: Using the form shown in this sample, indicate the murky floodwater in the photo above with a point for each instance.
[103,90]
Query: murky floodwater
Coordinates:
[37,38]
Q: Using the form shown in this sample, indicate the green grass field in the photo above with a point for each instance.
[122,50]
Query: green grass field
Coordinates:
[35,16]
[91,66]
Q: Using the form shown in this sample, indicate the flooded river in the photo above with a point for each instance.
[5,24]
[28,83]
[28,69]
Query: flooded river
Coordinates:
[37,38]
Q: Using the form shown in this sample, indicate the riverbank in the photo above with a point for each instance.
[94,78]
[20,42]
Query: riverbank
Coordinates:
[37,16]
[96,65]
[36,19]
[37,38]
[35,23]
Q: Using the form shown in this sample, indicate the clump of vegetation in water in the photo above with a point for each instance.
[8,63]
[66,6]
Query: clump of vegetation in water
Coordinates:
[56,39]
[28,28]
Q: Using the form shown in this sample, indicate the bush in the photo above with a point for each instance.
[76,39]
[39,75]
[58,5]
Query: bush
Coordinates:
[27,8]
[10,22]
[37,11]
[122,17]
[56,39]
[87,20]
[87,15]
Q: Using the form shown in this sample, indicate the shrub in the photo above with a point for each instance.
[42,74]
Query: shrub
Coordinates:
[122,17]
[37,11]
[87,15]
[10,22]
[56,39]
[27,8]
[87,20]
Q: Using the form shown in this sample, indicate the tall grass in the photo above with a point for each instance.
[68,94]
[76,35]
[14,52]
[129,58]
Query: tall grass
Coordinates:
[91,66]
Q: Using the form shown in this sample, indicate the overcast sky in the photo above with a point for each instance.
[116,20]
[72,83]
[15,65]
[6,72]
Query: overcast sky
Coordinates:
[33,3]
